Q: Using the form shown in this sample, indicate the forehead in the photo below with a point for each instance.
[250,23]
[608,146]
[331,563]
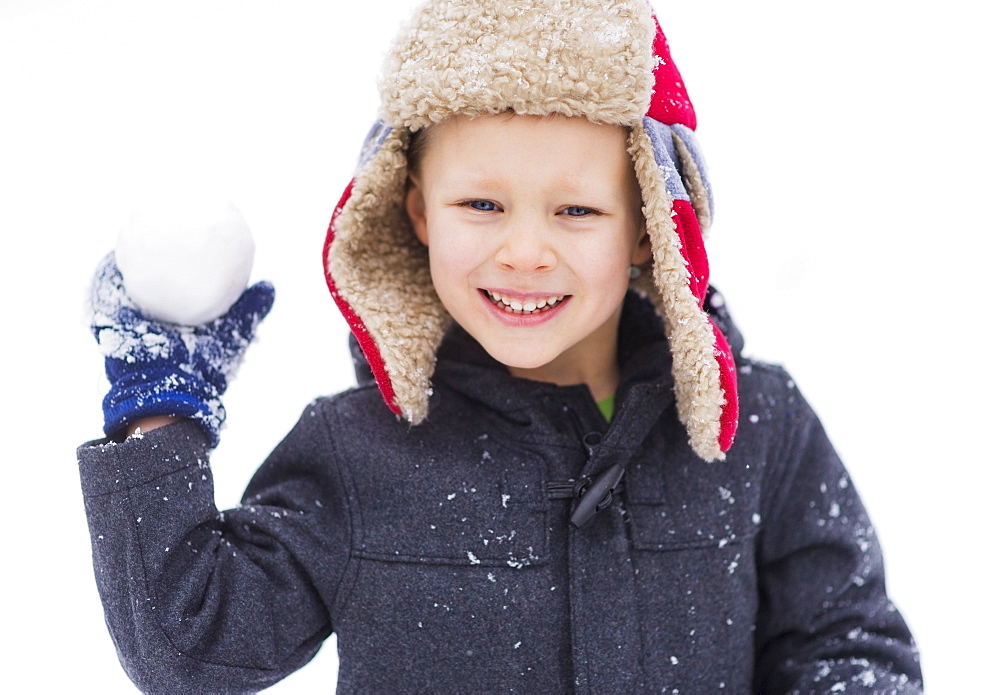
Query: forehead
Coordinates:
[570,147]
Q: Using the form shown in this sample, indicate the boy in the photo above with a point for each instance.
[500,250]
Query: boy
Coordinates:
[556,497]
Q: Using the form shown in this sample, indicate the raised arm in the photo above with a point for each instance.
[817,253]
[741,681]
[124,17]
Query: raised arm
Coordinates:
[198,600]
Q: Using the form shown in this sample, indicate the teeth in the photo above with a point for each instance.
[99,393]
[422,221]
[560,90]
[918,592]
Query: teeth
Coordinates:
[527,307]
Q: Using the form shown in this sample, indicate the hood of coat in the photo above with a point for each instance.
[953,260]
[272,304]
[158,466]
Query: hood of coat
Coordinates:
[608,62]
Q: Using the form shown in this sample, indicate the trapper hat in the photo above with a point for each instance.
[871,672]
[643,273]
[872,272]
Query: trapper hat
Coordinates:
[605,61]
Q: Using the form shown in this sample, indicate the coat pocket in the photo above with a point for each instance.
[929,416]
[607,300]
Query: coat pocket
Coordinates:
[493,516]
[682,502]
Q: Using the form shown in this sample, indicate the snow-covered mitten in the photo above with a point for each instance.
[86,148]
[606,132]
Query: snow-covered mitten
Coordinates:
[158,368]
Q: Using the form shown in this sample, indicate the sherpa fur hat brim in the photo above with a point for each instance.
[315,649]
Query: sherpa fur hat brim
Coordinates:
[580,58]
[470,57]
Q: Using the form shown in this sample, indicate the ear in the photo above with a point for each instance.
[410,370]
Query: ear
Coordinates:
[416,210]
[643,249]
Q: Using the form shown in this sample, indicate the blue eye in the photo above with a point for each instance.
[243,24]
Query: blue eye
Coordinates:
[578,211]
[483,205]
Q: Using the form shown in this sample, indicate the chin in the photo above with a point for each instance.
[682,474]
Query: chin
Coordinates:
[518,360]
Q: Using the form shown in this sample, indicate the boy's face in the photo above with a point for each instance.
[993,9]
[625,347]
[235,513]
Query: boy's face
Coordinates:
[531,225]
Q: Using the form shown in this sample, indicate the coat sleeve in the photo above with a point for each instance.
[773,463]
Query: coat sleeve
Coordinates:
[825,622]
[202,601]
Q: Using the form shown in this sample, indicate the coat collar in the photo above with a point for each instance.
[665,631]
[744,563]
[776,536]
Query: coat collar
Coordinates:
[645,391]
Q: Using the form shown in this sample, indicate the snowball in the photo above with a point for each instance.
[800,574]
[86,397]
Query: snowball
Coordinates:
[185,259]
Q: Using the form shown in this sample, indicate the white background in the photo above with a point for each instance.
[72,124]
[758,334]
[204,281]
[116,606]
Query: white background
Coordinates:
[853,152]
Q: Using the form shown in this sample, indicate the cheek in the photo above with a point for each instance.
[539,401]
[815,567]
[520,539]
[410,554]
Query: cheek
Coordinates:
[608,263]
[452,261]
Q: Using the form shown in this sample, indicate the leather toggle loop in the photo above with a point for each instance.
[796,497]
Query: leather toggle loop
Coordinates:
[595,494]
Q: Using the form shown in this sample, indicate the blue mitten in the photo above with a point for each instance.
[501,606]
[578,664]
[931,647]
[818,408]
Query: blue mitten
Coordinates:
[158,368]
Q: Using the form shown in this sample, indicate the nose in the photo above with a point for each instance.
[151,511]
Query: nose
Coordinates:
[526,248]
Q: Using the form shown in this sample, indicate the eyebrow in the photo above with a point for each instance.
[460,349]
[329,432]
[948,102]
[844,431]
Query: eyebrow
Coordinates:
[571,184]
[482,181]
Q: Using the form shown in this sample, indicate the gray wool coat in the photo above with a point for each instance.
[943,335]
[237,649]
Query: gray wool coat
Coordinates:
[443,557]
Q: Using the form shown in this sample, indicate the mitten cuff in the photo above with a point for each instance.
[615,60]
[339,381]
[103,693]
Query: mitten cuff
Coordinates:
[163,392]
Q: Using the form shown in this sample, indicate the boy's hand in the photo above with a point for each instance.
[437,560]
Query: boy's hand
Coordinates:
[160,369]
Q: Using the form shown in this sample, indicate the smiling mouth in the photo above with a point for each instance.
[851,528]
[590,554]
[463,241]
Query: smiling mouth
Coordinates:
[536,305]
